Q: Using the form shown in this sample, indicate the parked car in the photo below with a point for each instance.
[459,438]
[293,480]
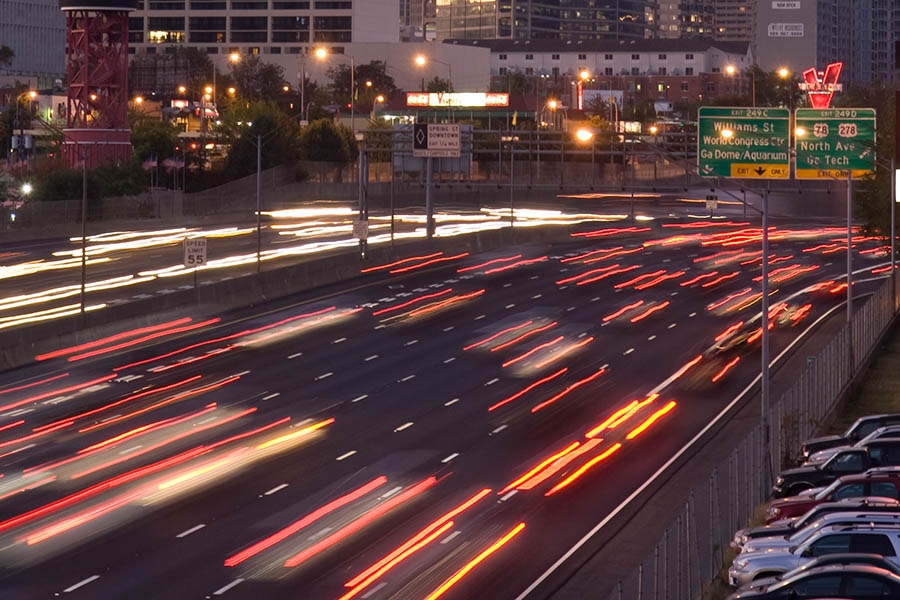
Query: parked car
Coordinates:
[882,432]
[870,505]
[857,538]
[877,482]
[834,582]
[782,542]
[862,427]
[884,452]
[873,560]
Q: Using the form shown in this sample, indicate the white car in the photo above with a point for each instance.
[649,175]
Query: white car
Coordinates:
[833,539]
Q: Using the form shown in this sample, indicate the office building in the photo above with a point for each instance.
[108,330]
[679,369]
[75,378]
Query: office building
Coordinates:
[36,32]
[721,20]
[540,19]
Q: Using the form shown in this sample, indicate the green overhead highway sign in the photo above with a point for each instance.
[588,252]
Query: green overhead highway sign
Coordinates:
[834,142]
[751,143]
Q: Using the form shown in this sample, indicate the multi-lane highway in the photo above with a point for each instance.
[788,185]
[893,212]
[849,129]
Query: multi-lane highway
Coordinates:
[448,428]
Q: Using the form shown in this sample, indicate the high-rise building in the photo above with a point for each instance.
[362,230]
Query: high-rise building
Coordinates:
[36,31]
[541,19]
[859,33]
[721,20]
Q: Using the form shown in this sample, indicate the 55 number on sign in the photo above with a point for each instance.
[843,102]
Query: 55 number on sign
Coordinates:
[194,255]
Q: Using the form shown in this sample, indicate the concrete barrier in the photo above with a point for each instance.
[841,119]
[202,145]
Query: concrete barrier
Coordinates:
[18,347]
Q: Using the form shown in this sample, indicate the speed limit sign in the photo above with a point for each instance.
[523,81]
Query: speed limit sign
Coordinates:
[194,252]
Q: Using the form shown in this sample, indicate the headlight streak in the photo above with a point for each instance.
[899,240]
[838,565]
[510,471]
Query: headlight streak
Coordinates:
[428,263]
[524,336]
[47,315]
[141,340]
[401,262]
[584,469]
[37,266]
[113,338]
[650,420]
[527,389]
[410,546]
[725,369]
[58,392]
[489,263]
[608,274]
[622,311]
[534,350]
[497,335]
[361,522]
[568,389]
[411,302]
[475,562]
[293,436]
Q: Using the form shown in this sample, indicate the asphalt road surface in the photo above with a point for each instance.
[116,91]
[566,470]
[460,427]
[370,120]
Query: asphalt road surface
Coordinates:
[449,429]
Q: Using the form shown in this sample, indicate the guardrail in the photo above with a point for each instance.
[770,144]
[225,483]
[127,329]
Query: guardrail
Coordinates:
[692,549]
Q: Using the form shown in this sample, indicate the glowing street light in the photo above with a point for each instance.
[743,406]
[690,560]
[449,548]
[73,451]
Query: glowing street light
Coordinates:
[730,70]
[584,135]
[783,72]
[27,189]
[234,57]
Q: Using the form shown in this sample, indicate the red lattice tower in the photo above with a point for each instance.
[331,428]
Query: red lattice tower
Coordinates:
[97,69]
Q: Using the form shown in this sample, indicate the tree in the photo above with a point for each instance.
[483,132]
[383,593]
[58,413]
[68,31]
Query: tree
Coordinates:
[152,138]
[243,127]
[438,85]
[6,56]
[325,141]
[256,80]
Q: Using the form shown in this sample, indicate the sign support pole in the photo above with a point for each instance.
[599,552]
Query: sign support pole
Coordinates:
[512,170]
[893,234]
[850,269]
[258,202]
[429,198]
[764,382]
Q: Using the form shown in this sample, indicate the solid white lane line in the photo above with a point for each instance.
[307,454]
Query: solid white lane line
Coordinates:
[373,357]
[324,376]
[188,532]
[449,360]
[451,402]
[450,537]
[276,489]
[358,398]
[491,382]
[373,590]
[346,455]
[81,583]
[224,589]
[449,458]
[406,425]
[296,355]
[272,395]
[241,374]
[499,429]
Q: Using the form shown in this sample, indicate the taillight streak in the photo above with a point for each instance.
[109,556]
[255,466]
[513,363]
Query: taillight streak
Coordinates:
[521,263]
[58,392]
[623,310]
[537,348]
[587,274]
[584,469]
[141,340]
[445,303]
[488,263]
[411,302]
[111,339]
[568,389]
[557,465]
[400,262]
[725,369]
[650,311]
[524,336]
[491,338]
[428,262]
[33,384]
[540,467]
[527,389]
[650,420]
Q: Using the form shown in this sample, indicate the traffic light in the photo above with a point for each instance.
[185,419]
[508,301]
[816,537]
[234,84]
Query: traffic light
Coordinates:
[193,145]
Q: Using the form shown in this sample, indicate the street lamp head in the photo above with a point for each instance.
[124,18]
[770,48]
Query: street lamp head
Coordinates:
[783,72]
[234,57]
[420,60]
[730,70]
[286,88]
[26,188]
[138,99]
[379,98]
[653,129]
[369,83]
[231,91]
[584,135]
[552,104]
[208,89]
[321,53]
[584,74]
[32,94]
[181,89]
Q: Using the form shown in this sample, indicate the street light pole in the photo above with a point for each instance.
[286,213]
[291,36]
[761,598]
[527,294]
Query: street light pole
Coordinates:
[83,227]
[258,201]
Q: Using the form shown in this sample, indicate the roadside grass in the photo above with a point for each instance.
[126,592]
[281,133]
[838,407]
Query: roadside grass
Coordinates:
[878,393]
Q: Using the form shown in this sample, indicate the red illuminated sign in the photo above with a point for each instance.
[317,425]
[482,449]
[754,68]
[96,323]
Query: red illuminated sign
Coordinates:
[821,85]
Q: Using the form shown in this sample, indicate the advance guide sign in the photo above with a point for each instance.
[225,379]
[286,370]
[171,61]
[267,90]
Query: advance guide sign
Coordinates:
[751,143]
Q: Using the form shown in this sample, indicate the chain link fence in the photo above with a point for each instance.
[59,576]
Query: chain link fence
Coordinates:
[693,547]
